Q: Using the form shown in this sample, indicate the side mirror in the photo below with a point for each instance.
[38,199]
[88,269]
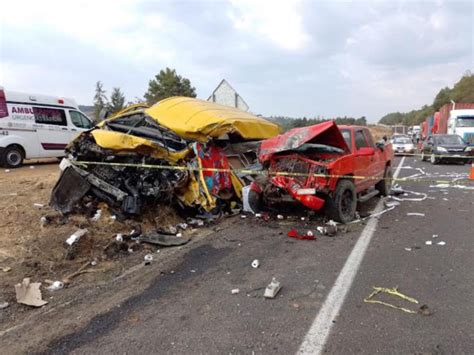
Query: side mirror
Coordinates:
[366,151]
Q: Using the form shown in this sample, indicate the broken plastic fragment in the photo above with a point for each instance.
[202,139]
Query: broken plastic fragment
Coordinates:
[4,305]
[280,216]
[29,293]
[56,285]
[294,234]
[38,205]
[97,215]
[429,242]
[272,289]
[441,243]
[235,291]
[148,259]
[435,236]
[119,237]
[255,263]
[415,214]
[76,236]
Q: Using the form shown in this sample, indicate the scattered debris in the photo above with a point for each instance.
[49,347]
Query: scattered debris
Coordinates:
[4,305]
[294,234]
[97,215]
[435,236]
[429,242]
[76,236]
[397,190]
[280,217]
[393,292]
[5,268]
[29,293]
[415,214]
[441,243]
[255,263]
[272,289]
[38,205]
[119,237]
[235,291]
[148,259]
[163,240]
[55,285]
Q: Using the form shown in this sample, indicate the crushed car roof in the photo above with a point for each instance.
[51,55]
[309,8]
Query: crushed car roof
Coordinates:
[201,120]
[326,133]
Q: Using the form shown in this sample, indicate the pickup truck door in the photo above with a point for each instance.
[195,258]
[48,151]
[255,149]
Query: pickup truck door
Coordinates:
[377,163]
[363,164]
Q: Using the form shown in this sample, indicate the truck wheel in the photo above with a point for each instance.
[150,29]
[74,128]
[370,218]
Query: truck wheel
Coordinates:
[342,206]
[384,185]
[12,157]
[433,159]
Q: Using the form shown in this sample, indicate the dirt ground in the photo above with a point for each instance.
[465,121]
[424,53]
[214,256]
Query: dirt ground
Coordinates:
[30,249]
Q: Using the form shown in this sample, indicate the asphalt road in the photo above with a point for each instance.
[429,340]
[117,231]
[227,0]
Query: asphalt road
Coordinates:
[190,308]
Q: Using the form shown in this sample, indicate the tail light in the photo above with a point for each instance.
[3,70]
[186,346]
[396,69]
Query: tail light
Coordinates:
[3,104]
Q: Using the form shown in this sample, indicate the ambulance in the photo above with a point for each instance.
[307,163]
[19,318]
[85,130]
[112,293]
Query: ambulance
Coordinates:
[37,126]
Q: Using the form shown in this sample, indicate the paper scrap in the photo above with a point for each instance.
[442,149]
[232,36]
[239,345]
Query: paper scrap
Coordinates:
[29,293]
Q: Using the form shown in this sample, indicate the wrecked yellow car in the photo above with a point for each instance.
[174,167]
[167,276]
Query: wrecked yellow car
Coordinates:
[178,151]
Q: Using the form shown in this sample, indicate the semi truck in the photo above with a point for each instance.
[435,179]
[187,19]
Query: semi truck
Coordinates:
[455,118]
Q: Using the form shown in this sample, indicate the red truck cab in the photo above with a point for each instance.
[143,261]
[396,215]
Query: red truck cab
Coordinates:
[324,166]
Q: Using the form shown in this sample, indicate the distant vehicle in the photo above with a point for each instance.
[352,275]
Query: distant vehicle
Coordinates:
[37,126]
[395,136]
[403,145]
[455,118]
[324,157]
[446,148]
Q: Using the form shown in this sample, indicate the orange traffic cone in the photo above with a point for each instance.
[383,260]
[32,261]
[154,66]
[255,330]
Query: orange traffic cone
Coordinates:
[471,175]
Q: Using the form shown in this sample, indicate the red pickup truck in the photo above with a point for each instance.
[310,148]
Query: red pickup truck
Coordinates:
[323,166]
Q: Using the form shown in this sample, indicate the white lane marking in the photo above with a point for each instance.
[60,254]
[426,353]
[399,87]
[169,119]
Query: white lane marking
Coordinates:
[317,335]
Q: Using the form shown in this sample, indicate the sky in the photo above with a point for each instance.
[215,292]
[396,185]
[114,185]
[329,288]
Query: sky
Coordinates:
[291,58]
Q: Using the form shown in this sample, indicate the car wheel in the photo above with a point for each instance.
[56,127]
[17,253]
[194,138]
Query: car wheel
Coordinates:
[12,157]
[433,159]
[342,206]
[384,185]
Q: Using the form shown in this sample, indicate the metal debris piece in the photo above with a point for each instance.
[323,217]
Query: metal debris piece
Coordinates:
[272,289]
[76,236]
[393,292]
[255,263]
[29,293]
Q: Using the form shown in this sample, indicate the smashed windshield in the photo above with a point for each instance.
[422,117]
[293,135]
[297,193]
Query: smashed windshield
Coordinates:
[449,139]
[465,121]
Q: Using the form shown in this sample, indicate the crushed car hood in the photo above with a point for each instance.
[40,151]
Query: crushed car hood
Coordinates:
[324,133]
[200,120]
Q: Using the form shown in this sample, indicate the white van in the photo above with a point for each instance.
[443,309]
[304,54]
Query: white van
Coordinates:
[37,126]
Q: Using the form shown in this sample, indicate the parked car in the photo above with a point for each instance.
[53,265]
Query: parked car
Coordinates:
[326,166]
[402,145]
[37,126]
[446,148]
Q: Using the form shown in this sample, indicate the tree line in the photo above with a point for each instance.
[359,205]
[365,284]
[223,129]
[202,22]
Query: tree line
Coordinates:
[289,122]
[165,84]
[462,91]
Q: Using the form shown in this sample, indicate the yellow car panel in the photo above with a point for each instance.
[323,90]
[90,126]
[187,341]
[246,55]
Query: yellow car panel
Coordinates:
[201,120]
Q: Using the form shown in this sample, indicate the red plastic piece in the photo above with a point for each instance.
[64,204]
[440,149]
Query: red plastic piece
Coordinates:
[294,234]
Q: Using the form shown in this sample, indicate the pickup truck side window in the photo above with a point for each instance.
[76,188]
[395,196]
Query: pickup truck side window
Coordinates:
[79,120]
[53,116]
[368,138]
[360,140]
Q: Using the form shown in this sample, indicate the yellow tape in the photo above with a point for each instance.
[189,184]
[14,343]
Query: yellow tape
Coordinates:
[253,172]
[393,292]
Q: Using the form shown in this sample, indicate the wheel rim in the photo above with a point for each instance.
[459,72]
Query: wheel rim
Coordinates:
[13,158]
[346,203]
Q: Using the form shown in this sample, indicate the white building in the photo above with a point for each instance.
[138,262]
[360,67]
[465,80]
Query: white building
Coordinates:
[224,94]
